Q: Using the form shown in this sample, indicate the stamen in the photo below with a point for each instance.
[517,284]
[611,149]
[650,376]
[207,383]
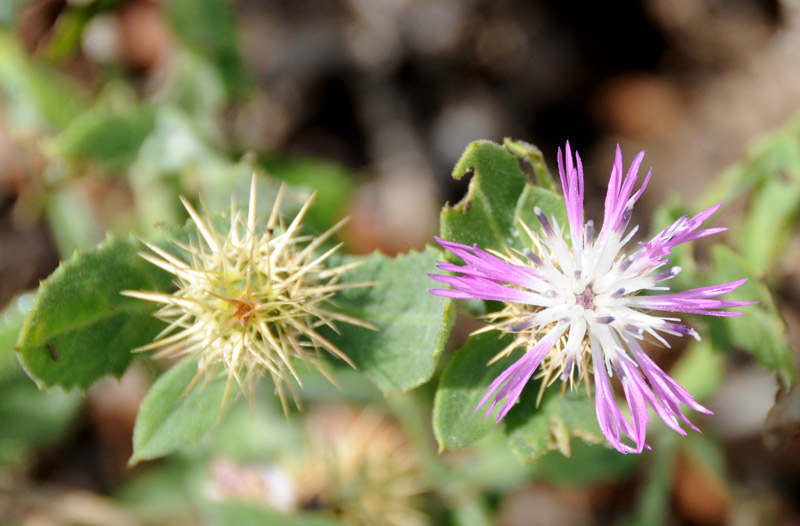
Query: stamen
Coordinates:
[546,226]
[536,260]
[589,232]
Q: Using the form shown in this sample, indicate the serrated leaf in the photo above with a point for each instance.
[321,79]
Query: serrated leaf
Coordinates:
[110,138]
[462,385]
[412,324]
[500,195]
[80,327]
[534,431]
[485,216]
[171,417]
[243,514]
[761,331]
[533,157]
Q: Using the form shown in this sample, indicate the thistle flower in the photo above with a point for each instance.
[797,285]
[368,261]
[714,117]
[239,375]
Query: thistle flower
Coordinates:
[577,309]
[249,302]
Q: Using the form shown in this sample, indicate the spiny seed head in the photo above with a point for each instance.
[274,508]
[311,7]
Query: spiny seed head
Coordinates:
[360,465]
[249,302]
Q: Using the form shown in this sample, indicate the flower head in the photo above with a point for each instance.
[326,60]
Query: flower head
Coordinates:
[360,465]
[249,301]
[576,306]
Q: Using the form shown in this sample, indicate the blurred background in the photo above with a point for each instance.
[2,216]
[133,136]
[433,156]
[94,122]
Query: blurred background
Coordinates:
[382,96]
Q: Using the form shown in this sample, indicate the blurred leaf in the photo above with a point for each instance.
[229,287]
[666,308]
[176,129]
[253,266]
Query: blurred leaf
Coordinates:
[243,514]
[774,211]
[772,154]
[705,453]
[700,369]
[654,501]
[492,465]
[11,319]
[36,98]
[209,26]
[485,215]
[171,417]
[110,138]
[65,36]
[167,491]
[533,432]
[761,331]
[587,465]
[333,184]
[413,325]
[350,385]
[32,418]
[262,433]
[462,385]
[80,327]
[71,217]
[197,88]
[770,176]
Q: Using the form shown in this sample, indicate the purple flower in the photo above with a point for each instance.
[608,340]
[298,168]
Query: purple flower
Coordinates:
[576,306]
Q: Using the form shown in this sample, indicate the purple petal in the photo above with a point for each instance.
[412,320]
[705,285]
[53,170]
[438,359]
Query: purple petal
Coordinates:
[618,197]
[572,185]
[517,375]
[681,231]
[695,301]
[609,417]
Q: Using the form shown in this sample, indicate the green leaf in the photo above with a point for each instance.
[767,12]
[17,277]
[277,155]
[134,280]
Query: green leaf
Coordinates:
[209,26]
[171,417]
[533,432]
[413,325]
[700,369]
[776,154]
[333,184]
[110,138]
[463,384]
[35,97]
[80,327]
[33,418]
[761,330]
[10,324]
[485,215]
[64,41]
[774,210]
[587,465]
[532,156]
[551,204]
[654,500]
[243,514]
